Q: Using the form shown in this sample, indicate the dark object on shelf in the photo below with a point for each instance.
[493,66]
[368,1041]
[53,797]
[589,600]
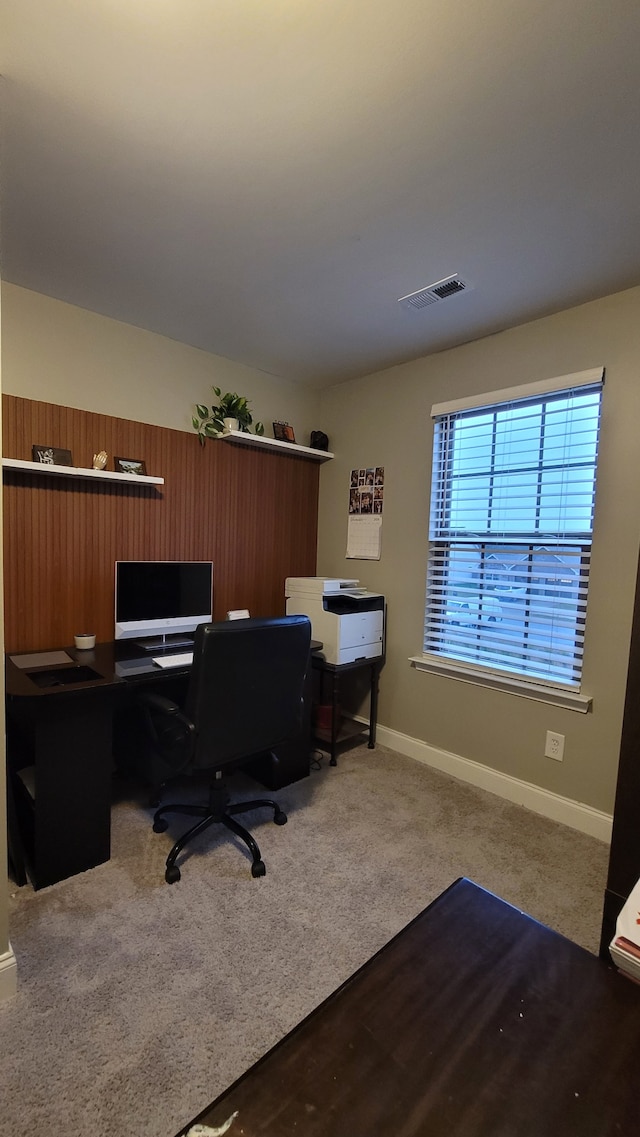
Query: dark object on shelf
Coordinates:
[319,440]
[323,718]
[51,456]
[129,466]
[283,432]
[244,697]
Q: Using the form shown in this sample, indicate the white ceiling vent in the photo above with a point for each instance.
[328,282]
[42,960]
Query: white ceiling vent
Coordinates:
[441,290]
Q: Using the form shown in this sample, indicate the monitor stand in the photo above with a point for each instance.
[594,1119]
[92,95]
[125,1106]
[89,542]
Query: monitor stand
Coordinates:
[164,642]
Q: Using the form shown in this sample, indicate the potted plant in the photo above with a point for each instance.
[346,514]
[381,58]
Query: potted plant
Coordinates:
[231,412]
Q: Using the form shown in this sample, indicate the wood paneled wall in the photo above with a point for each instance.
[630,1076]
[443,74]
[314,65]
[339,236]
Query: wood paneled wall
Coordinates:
[252,512]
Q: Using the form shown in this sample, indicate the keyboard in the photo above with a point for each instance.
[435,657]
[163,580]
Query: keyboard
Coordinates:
[182,659]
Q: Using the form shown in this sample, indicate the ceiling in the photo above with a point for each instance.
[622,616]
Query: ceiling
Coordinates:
[264,178]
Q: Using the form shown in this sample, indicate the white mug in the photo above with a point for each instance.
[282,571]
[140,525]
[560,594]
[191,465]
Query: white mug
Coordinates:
[85,640]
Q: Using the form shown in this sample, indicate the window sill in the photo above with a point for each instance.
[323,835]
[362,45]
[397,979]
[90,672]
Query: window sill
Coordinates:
[557,696]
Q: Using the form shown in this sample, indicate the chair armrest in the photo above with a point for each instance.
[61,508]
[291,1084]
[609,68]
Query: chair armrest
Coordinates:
[156,702]
[171,731]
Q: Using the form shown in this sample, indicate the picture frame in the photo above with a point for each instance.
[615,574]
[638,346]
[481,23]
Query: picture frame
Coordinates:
[129,466]
[283,432]
[51,456]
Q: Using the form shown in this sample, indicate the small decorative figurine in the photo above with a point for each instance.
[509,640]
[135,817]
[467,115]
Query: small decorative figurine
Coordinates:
[100,460]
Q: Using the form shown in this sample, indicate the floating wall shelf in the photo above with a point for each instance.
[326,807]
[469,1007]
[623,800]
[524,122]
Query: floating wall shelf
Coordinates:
[21,466]
[246,439]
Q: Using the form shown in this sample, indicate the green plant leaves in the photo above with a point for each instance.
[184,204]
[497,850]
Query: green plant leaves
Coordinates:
[209,422]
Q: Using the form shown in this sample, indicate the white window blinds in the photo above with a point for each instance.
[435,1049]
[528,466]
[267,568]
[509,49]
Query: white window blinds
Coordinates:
[512,500]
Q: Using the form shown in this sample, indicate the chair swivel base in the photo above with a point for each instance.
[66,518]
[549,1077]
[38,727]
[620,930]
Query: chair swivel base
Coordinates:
[211,815]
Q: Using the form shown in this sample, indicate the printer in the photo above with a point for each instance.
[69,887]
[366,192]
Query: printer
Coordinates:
[348,619]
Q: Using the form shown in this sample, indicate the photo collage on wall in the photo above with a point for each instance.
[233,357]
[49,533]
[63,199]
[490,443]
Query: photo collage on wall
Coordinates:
[366,490]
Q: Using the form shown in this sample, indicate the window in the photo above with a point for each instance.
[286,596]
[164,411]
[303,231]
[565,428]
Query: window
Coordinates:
[511,524]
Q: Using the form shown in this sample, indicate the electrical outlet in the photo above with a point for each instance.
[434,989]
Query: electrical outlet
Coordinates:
[554,746]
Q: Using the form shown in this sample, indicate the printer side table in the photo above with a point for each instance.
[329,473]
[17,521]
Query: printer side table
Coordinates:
[335,671]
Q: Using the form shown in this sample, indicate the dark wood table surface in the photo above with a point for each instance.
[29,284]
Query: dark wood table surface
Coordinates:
[474,1021]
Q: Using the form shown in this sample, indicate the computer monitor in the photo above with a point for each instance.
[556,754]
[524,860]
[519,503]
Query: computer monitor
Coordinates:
[158,602]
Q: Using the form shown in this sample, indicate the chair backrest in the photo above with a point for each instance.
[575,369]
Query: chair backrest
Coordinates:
[246,686]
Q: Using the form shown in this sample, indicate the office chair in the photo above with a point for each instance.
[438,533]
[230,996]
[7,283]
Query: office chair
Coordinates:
[244,698]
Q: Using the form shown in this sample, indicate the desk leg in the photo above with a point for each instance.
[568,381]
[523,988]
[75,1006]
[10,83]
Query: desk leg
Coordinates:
[333,761]
[67,824]
[373,706]
[17,868]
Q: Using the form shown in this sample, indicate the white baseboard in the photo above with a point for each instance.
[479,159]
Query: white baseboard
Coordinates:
[8,975]
[572,813]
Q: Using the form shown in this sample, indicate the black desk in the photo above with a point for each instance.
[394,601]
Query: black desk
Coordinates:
[474,1021]
[60,751]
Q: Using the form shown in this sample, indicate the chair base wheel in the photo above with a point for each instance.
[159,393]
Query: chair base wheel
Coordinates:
[160,825]
[172,874]
[280,817]
[258,869]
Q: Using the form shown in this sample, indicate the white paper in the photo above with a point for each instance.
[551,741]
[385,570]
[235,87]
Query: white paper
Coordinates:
[625,945]
[364,538]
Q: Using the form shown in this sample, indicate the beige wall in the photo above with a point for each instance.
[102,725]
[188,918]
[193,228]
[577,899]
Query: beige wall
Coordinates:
[57,353]
[384,419]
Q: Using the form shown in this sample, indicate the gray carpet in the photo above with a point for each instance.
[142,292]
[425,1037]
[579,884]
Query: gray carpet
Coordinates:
[139,1002]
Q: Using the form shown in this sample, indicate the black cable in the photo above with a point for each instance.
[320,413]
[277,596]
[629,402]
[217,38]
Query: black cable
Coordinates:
[316,760]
